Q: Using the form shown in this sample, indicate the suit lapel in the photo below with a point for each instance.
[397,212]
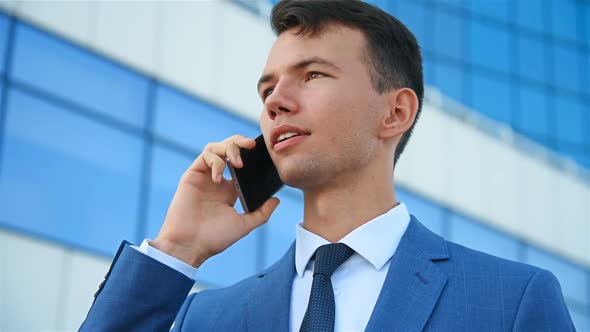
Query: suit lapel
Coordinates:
[269,304]
[413,283]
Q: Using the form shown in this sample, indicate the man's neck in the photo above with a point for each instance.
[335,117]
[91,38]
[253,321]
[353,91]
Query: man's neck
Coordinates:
[334,211]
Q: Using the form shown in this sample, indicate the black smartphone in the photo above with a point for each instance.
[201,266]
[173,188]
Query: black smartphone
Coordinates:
[258,179]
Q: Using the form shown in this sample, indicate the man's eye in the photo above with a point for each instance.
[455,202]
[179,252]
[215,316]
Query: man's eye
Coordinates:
[267,92]
[314,74]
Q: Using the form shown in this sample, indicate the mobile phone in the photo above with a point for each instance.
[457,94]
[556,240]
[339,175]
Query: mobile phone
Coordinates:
[258,179]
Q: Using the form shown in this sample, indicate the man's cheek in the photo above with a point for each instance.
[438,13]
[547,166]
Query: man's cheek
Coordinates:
[264,125]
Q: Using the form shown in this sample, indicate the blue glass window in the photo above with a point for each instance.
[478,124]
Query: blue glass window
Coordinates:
[573,151]
[584,160]
[571,277]
[428,70]
[413,14]
[4,24]
[193,123]
[567,71]
[533,118]
[456,3]
[492,97]
[166,169]
[531,17]
[480,237]
[429,214]
[230,266]
[449,34]
[489,46]
[450,80]
[564,18]
[280,229]
[570,119]
[73,74]
[531,58]
[81,177]
[492,8]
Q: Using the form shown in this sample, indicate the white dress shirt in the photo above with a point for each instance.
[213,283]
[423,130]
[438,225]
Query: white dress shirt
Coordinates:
[357,282]
[173,262]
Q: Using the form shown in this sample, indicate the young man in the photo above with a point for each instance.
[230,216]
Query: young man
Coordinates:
[342,89]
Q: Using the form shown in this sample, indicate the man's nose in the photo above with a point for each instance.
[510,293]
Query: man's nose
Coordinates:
[281,100]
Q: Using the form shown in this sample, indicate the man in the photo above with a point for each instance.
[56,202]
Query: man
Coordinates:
[342,89]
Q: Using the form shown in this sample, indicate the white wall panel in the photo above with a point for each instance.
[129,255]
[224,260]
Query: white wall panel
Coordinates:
[498,175]
[71,19]
[3,275]
[464,146]
[128,30]
[535,192]
[85,274]
[30,296]
[424,162]
[189,44]
[570,218]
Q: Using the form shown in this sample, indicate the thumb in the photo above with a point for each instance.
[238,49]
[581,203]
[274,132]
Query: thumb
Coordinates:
[262,214]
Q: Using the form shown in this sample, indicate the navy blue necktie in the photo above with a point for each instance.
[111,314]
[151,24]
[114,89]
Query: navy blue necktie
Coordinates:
[321,308]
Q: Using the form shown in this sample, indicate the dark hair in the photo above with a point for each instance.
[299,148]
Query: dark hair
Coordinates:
[393,53]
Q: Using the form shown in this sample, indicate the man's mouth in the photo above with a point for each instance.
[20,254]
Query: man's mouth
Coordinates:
[287,140]
[286,136]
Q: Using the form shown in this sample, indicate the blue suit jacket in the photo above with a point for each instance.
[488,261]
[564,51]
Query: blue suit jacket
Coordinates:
[432,285]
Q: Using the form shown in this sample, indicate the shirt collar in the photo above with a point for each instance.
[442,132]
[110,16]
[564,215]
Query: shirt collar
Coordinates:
[376,240]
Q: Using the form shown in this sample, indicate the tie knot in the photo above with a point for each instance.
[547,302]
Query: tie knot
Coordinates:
[329,257]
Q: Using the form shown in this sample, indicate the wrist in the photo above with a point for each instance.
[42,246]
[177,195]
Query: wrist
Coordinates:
[184,253]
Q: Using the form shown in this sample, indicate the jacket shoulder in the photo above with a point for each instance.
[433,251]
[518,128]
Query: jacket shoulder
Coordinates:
[480,262]
[504,291]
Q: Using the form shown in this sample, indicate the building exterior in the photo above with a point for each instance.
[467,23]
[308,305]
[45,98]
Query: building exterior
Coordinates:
[103,105]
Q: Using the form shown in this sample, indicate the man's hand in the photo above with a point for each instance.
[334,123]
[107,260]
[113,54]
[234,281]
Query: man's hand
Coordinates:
[201,221]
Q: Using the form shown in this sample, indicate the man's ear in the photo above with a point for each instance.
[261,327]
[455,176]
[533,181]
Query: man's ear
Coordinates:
[402,106]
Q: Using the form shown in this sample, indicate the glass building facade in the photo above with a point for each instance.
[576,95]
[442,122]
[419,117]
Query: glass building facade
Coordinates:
[91,150]
[522,63]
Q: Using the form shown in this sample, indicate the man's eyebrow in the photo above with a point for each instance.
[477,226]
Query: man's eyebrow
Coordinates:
[297,66]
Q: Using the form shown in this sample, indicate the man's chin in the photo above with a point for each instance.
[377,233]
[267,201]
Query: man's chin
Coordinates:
[291,179]
[292,176]
[298,176]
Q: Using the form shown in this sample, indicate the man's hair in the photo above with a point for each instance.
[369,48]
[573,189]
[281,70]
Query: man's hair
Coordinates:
[393,54]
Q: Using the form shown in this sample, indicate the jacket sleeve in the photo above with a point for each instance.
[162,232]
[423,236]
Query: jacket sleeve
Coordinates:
[138,294]
[542,307]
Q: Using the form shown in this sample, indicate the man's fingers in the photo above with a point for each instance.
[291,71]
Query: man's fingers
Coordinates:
[229,148]
[216,164]
[241,141]
[260,216]
[233,153]
[220,148]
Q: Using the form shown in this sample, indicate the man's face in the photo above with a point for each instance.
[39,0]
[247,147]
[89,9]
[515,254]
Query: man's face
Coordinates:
[320,88]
